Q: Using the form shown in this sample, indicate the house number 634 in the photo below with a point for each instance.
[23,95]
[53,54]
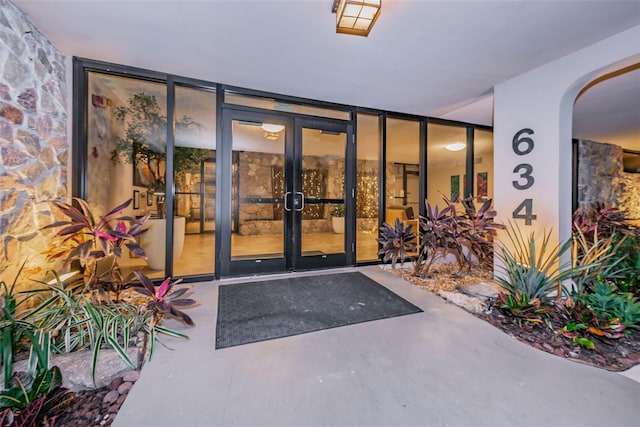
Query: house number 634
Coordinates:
[522,145]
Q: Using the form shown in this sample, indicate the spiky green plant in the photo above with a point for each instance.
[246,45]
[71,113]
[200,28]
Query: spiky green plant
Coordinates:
[596,257]
[530,268]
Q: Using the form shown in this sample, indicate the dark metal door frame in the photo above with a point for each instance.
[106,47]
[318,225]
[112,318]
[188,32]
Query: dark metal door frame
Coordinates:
[299,260]
[292,259]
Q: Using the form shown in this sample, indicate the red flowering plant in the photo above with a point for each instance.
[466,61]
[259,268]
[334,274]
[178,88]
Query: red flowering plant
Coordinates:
[94,246]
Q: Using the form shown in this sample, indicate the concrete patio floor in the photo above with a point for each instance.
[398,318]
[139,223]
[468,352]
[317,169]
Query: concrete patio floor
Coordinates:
[443,367]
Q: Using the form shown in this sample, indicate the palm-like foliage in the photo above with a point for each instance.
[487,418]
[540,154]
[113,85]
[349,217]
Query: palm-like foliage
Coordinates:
[396,241]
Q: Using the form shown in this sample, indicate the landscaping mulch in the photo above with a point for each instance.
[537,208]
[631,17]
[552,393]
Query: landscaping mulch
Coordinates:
[610,354]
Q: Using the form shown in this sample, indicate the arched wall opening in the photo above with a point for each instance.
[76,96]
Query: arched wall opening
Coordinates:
[606,132]
[532,134]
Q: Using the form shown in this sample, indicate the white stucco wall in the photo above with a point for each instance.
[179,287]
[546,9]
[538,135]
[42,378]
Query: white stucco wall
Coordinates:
[542,100]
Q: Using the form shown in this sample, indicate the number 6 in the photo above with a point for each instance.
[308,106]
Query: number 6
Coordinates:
[517,140]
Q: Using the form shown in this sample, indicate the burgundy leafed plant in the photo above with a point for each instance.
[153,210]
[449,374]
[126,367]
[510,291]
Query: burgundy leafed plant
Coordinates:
[89,242]
[163,301]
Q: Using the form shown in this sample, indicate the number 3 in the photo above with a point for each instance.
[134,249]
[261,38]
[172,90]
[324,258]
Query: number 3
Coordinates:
[528,170]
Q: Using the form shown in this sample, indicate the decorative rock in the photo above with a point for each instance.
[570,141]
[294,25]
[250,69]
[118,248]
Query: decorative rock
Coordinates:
[44,126]
[4,92]
[111,397]
[15,71]
[471,304]
[76,367]
[42,57]
[121,399]
[12,157]
[29,100]
[113,409]
[115,383]
[558,352]
[131,376]
[58,142]
[484,290]
[11,113]
[125,387]
[30,141]
[548,347]
[6,131]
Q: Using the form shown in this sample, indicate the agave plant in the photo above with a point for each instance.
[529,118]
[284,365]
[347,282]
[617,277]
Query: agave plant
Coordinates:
[533,269]
[396,242]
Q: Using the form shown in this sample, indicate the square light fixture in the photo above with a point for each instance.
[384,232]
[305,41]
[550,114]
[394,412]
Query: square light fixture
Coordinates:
[356,16]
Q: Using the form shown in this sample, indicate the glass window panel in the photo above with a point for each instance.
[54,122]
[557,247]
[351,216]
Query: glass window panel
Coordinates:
[322,180]
[445,168]
[483,163]
[195,181]
[257,229]
[402,170]
[119,128]
[367,187]
[272,104]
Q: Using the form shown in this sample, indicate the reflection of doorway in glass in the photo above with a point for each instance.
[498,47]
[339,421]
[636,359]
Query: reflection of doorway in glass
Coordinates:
[407,185]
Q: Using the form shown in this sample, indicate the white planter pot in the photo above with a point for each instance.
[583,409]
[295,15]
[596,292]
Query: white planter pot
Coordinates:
[337,222]
[154,240]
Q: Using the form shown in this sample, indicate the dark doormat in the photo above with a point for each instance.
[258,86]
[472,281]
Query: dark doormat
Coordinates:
[251,312]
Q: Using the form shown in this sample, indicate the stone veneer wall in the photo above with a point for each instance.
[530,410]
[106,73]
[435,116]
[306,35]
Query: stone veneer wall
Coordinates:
[601,178]
[629,196]
[599,167]
[33,141]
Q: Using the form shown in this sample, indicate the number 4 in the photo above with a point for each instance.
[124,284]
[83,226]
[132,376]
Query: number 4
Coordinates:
[528,216]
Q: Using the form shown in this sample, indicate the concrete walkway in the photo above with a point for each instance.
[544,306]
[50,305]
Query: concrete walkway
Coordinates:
[443,367]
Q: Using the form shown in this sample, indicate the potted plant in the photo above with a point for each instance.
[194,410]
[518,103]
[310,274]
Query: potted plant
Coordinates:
[337,218]
[144,141]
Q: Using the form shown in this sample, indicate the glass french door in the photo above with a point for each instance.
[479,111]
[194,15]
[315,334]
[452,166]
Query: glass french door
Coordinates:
[288,183]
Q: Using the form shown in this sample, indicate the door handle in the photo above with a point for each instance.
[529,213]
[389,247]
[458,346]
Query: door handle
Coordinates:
[286,205]
[302,200]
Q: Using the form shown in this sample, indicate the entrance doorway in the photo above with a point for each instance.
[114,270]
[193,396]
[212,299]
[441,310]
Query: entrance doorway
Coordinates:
[288,188]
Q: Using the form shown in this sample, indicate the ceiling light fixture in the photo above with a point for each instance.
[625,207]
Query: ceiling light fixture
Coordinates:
[356,16]
[271,136]
[457,146]
[269,127]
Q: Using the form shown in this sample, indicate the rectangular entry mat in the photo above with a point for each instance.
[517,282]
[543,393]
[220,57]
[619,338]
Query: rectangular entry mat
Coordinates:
[258,311]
